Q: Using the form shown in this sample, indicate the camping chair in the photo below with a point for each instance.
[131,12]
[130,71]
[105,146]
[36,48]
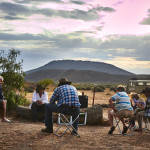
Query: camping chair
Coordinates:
[63,120]
[67,123]
[128,124]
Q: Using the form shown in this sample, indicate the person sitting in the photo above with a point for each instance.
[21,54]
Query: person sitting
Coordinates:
[138,103]
[39,99]
[3,103]
[67,99]
[122,107]
[146,111]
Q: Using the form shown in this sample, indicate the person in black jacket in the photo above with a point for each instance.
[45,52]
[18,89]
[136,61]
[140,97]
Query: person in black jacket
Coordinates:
[3,103]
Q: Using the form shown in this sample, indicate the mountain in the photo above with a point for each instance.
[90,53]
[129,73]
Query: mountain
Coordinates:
[80,71]
[83,65]
[77,76]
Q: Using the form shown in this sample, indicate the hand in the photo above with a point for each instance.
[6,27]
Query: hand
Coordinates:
[39,102]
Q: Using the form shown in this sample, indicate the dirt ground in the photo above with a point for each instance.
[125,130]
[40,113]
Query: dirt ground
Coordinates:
[26,135]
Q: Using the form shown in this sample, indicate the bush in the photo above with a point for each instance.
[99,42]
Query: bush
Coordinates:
[14,99]
[99,88]
[29,89]
[80,86]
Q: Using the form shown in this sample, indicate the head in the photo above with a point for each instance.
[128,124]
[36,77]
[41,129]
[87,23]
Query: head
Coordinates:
[64,81]
[146,92]
[135,95]
[40,89]
[1,80]
[120,88]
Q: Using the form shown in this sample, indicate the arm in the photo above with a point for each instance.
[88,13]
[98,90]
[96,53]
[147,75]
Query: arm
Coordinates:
[141,105]
[45,98]
[54,97]
[34,97]
[112,105]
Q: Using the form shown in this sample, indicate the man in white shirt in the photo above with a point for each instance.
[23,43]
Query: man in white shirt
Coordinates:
[39,99]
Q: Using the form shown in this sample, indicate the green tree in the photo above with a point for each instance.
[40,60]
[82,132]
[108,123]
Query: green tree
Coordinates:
[13,75]
[46,82]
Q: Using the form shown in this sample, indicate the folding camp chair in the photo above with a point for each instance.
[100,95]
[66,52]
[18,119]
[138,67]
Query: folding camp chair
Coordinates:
[66,122]
[128,124]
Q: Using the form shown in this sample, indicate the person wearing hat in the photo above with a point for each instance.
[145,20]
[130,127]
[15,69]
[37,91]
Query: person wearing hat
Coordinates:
[67,99]
[122,107]
[3,103]
[39,99]
[146,111]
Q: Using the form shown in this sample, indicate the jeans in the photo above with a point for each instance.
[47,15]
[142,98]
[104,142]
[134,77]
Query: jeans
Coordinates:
[37,108]
[50,108]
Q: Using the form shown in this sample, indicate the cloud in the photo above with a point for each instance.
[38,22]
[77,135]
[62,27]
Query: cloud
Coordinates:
[130,63]
[118,3]
[13,9]
[105,9]
[78,2]
[31,1]
[11,18]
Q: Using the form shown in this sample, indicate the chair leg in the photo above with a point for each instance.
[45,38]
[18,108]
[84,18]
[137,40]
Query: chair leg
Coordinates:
[85,118]
[67,123]
[129,127]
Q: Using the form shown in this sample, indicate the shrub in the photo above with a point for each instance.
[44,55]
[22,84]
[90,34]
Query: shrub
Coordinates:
[14,99]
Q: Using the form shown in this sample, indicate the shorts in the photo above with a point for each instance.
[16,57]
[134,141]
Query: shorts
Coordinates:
[122,113]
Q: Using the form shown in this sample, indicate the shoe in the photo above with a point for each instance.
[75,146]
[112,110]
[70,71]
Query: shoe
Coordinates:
[75,133]
[125,129]
[47,130]
[6,120]
[137,130]
[112,129]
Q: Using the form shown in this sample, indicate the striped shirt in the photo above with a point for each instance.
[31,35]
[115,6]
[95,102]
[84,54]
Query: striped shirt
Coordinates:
[122,101]
[67,95]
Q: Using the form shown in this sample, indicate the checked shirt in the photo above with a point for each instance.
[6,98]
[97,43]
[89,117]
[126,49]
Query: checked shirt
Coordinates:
[65,95]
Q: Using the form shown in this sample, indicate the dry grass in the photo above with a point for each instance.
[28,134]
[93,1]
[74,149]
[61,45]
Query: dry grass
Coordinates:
[100,97]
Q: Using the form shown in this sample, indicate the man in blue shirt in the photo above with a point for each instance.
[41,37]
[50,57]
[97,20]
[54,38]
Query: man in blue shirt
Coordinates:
[67,103]
[3,102]
[122,108]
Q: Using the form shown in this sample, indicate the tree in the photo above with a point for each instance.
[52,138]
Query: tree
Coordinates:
[11,70]
[13,78]
[46,82]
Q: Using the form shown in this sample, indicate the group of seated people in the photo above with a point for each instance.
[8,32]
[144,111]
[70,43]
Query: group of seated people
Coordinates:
[135,107]
[68,103]
[66,97]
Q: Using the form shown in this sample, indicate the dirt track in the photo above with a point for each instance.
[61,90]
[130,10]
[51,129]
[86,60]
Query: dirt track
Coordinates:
[25,135]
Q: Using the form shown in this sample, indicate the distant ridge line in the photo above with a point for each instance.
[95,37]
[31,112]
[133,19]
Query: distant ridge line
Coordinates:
[83,65]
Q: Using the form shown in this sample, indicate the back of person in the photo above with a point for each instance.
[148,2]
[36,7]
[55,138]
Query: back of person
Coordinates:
[122,101]
[68,95]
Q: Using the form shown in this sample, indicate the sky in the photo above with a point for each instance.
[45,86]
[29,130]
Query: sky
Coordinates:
[111,31]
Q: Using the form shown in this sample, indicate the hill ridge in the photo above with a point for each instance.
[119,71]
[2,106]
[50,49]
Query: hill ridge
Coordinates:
[82,65]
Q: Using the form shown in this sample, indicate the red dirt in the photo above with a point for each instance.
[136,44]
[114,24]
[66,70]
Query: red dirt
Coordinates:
[25,135]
